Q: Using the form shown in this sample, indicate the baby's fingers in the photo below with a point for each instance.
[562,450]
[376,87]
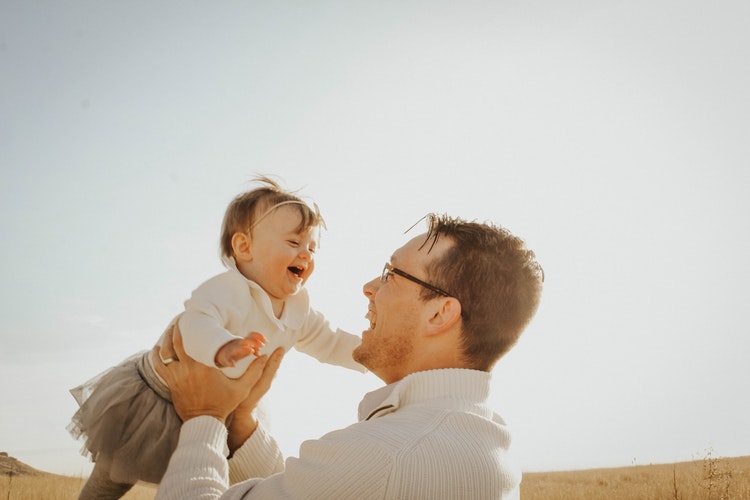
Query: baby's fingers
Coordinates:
[254,342]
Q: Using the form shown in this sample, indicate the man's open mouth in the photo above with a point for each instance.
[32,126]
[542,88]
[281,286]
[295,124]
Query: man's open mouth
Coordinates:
[372,318]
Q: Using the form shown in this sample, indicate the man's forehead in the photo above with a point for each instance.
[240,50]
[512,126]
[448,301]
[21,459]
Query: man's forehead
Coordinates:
[418,249]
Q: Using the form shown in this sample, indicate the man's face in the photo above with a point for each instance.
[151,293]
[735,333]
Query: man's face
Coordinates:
[396,313]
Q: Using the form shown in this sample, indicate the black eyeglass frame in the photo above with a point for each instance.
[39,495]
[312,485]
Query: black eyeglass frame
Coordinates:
[388,269]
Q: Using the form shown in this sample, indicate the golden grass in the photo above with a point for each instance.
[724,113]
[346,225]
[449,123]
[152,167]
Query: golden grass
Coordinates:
[54,487]
[705,479]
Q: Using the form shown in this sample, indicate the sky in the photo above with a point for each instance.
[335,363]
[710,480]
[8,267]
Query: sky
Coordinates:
[613,137]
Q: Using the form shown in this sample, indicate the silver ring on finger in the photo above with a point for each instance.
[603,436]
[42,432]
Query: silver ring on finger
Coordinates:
[167,360]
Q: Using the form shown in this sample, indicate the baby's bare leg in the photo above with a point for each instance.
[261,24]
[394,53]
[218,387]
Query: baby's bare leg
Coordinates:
[99,486]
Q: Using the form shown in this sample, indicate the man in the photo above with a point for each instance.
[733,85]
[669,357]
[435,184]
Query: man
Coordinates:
[449,304]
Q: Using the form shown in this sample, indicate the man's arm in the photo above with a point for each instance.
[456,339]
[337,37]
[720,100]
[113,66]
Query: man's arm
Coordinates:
[349,463]
[253,452]
[198,467]
[341,464]
[204,398]
[259,456]
[327,345]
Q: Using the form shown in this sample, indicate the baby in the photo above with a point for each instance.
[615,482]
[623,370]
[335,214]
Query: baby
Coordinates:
[268,241]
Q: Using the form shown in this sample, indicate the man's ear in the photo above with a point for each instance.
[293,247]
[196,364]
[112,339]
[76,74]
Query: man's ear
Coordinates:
[241,245]
[445,315]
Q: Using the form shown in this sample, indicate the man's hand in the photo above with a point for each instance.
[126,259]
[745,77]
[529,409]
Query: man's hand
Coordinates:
[242,423]
[198,389]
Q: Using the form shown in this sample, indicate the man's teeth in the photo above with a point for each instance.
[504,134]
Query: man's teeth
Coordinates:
[372,318]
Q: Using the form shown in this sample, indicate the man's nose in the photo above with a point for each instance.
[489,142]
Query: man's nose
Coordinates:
[371,287]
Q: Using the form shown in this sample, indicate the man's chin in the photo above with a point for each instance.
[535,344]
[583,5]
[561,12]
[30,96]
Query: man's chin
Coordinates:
[360,356]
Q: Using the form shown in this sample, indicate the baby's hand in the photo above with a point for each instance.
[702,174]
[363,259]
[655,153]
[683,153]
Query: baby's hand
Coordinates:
[236,349]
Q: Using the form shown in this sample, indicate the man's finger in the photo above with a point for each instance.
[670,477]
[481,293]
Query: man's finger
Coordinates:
[263,383]
[160,368]
[254,372]
[167,351]
[176,338]
[274,362]
[260,383]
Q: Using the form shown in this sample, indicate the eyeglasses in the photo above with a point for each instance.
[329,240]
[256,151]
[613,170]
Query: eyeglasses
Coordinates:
[389,269]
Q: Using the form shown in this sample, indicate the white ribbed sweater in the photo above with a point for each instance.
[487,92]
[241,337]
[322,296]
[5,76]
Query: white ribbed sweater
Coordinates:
[428,436]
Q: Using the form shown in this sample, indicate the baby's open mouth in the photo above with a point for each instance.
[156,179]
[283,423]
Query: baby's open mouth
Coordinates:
[296,270]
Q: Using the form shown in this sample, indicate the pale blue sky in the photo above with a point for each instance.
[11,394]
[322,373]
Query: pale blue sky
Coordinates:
[613,136]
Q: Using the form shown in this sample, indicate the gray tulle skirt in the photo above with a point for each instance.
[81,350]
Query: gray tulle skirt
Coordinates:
[128,421]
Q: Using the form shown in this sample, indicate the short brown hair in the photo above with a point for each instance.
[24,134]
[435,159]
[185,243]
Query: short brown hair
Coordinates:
[245,208]
[495,277]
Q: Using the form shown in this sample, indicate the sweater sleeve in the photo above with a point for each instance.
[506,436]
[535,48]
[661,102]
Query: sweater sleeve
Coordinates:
[210,313]
[321,342]
[259,456]
[198,467]
[342,464]
[339,465]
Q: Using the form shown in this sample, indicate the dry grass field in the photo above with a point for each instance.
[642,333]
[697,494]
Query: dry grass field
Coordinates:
[19,481]
[54,487]
[708,478]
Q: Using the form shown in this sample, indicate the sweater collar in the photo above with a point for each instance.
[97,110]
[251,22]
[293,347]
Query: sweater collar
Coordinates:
[295,307]
[452,383]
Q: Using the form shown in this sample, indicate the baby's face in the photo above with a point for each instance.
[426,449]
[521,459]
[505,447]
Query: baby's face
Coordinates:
[282,257]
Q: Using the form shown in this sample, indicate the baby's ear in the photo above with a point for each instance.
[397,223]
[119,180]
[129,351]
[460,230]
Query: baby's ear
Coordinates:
[241,245]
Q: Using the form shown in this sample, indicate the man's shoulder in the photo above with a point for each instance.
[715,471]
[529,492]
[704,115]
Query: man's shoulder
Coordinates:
[437,425]
[447,446]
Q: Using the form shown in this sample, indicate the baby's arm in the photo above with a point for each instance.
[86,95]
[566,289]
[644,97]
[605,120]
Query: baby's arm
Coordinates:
[327,345]
[213,310]
[236,349]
